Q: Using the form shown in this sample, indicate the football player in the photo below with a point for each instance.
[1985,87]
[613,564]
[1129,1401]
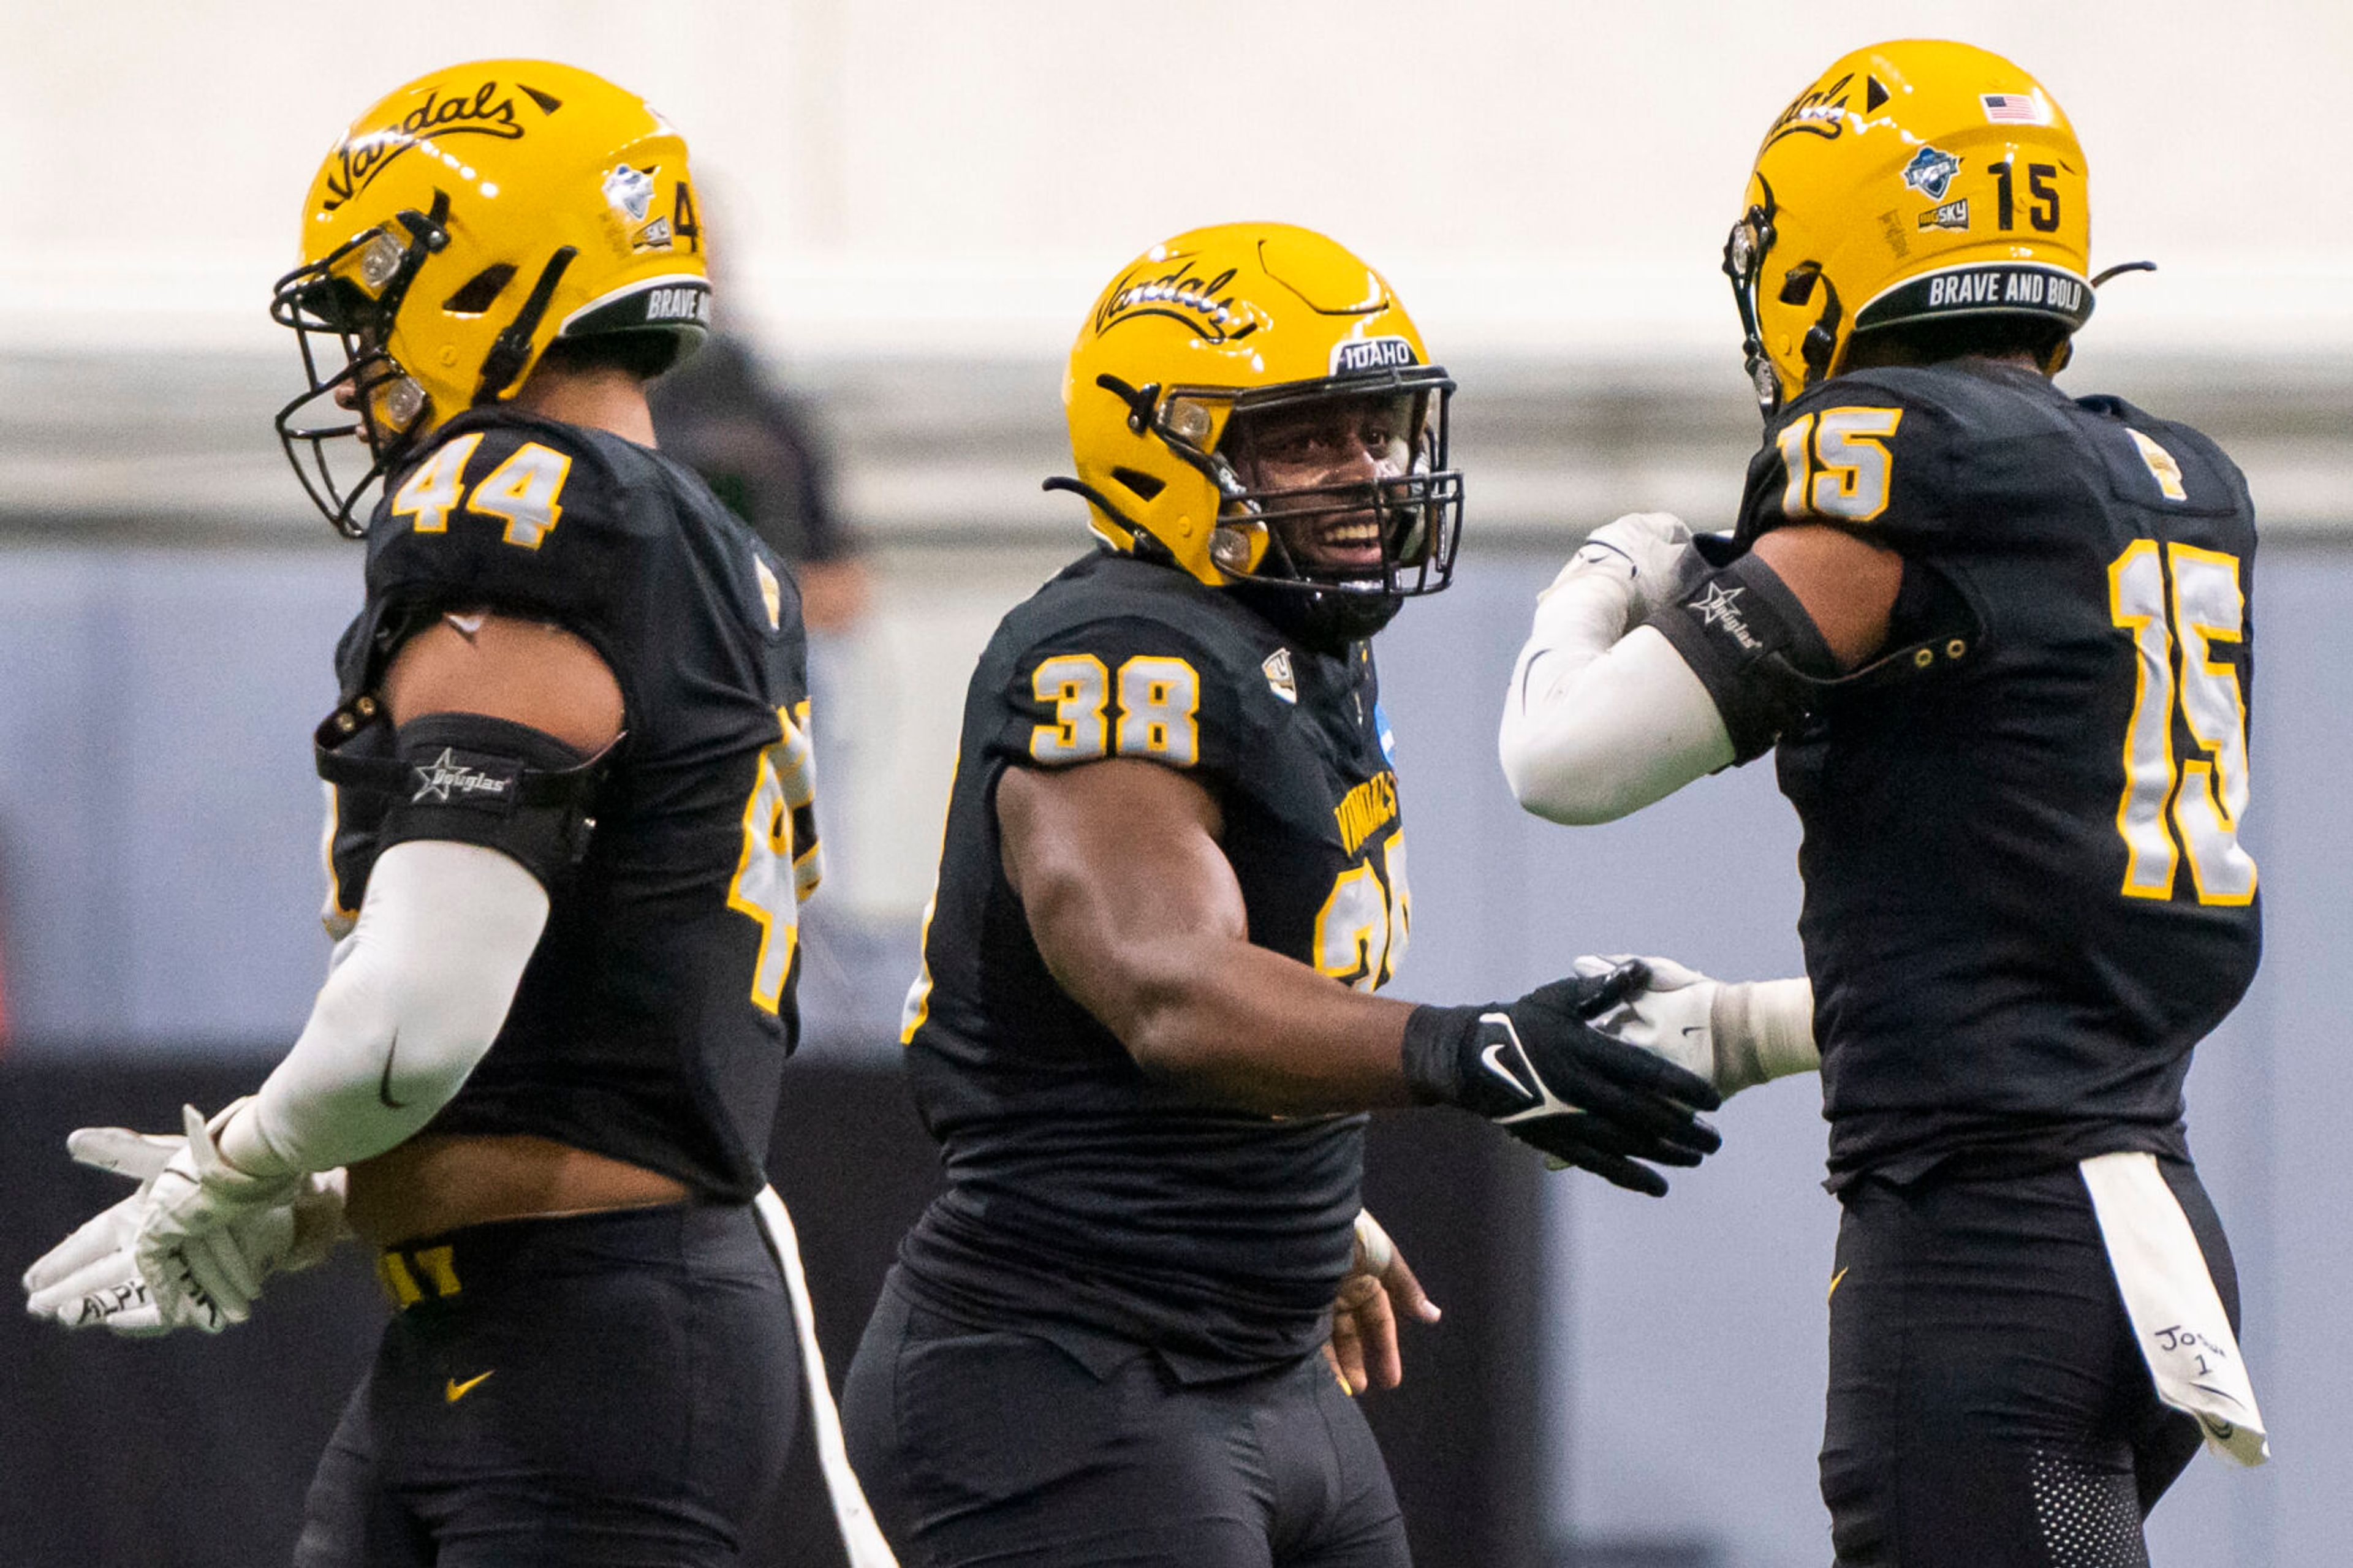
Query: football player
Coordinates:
[570,823]
[1173,878]
[2000,638]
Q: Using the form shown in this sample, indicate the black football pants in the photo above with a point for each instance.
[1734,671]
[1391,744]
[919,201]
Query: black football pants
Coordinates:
[597,1389]
[1000,1448]
[1988,1406]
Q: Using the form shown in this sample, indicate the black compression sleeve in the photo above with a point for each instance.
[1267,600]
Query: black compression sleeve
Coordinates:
[506,787]
[1754,649]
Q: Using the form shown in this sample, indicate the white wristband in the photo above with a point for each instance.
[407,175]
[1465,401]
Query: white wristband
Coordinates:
[1764,1029]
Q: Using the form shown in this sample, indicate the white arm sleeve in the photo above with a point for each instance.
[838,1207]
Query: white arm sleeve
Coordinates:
[418,991]
[1598,724]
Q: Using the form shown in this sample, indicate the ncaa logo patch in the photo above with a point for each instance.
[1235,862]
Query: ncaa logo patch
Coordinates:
[1279,677]
[1931,173]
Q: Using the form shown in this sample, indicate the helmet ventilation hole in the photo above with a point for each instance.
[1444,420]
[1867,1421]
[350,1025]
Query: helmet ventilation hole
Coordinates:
[481,292]
[1146,485]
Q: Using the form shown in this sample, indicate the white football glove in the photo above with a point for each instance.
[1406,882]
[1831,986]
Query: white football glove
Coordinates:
[1737,1035]
[1646,551]
[93,1277]
[187,1248]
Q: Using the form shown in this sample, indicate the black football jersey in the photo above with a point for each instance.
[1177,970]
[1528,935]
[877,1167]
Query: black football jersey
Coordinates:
[654,1018]
[1081,1194]
[2025,898]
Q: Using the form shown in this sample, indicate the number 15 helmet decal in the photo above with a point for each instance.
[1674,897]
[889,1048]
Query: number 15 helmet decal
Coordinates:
[456,230]
[1225,335]
[1913,181]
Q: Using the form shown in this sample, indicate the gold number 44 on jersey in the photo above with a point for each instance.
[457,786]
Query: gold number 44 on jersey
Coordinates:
[521,491]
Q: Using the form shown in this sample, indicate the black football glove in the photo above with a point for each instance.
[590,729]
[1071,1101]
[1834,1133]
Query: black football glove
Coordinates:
[1538,1071]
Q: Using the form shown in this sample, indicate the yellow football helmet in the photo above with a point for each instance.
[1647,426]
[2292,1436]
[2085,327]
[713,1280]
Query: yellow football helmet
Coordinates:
[462,225]
[1201,336]
[1913,181]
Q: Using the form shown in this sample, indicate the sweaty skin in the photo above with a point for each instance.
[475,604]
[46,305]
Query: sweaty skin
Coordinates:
[1138,916]
[551,679]
[1352,441]
[1848,585]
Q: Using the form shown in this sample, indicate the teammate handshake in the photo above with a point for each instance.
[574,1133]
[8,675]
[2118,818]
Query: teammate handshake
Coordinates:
[1173,871]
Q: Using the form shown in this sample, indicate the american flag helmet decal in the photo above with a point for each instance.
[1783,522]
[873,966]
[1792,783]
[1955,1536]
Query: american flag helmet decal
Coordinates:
[2016,108]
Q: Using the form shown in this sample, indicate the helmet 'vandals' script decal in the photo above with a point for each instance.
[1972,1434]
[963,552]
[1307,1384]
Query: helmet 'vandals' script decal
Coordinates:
[1199,302]
[363,158]
[1819,111]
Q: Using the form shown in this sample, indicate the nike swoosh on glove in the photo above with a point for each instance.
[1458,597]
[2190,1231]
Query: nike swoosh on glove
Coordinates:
[1537,1069]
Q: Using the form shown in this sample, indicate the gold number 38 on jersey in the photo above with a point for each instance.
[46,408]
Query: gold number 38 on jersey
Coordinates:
[1362,930]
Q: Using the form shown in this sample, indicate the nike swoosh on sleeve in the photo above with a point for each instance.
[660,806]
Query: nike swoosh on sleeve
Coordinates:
[384,1085]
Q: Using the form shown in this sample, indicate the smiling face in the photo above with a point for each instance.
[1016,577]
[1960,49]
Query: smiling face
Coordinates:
[1302,460]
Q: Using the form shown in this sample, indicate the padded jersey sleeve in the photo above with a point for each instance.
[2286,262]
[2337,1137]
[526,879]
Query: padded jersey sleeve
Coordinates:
[1129,687]
[1863,453]
[525,516]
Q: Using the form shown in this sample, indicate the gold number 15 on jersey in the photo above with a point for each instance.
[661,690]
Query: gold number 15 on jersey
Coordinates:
[2204,796]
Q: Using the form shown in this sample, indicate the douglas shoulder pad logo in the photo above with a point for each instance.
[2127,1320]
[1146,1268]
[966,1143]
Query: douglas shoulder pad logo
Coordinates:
[1931,173]
[1719,608]
[449,778]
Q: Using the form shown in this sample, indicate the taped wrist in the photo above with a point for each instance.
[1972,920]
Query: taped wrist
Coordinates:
[1754,649]
[472,779]
[1764,1029]
[1435,1038]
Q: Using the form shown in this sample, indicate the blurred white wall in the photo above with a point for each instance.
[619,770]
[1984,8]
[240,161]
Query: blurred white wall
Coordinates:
[923,175]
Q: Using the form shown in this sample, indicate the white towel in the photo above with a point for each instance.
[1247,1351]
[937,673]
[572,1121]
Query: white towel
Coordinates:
[860,1537]
[2176,1313]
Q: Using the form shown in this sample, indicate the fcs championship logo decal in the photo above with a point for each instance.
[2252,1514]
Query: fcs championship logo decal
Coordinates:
[1182,295]
[488,111]
[1931,173]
